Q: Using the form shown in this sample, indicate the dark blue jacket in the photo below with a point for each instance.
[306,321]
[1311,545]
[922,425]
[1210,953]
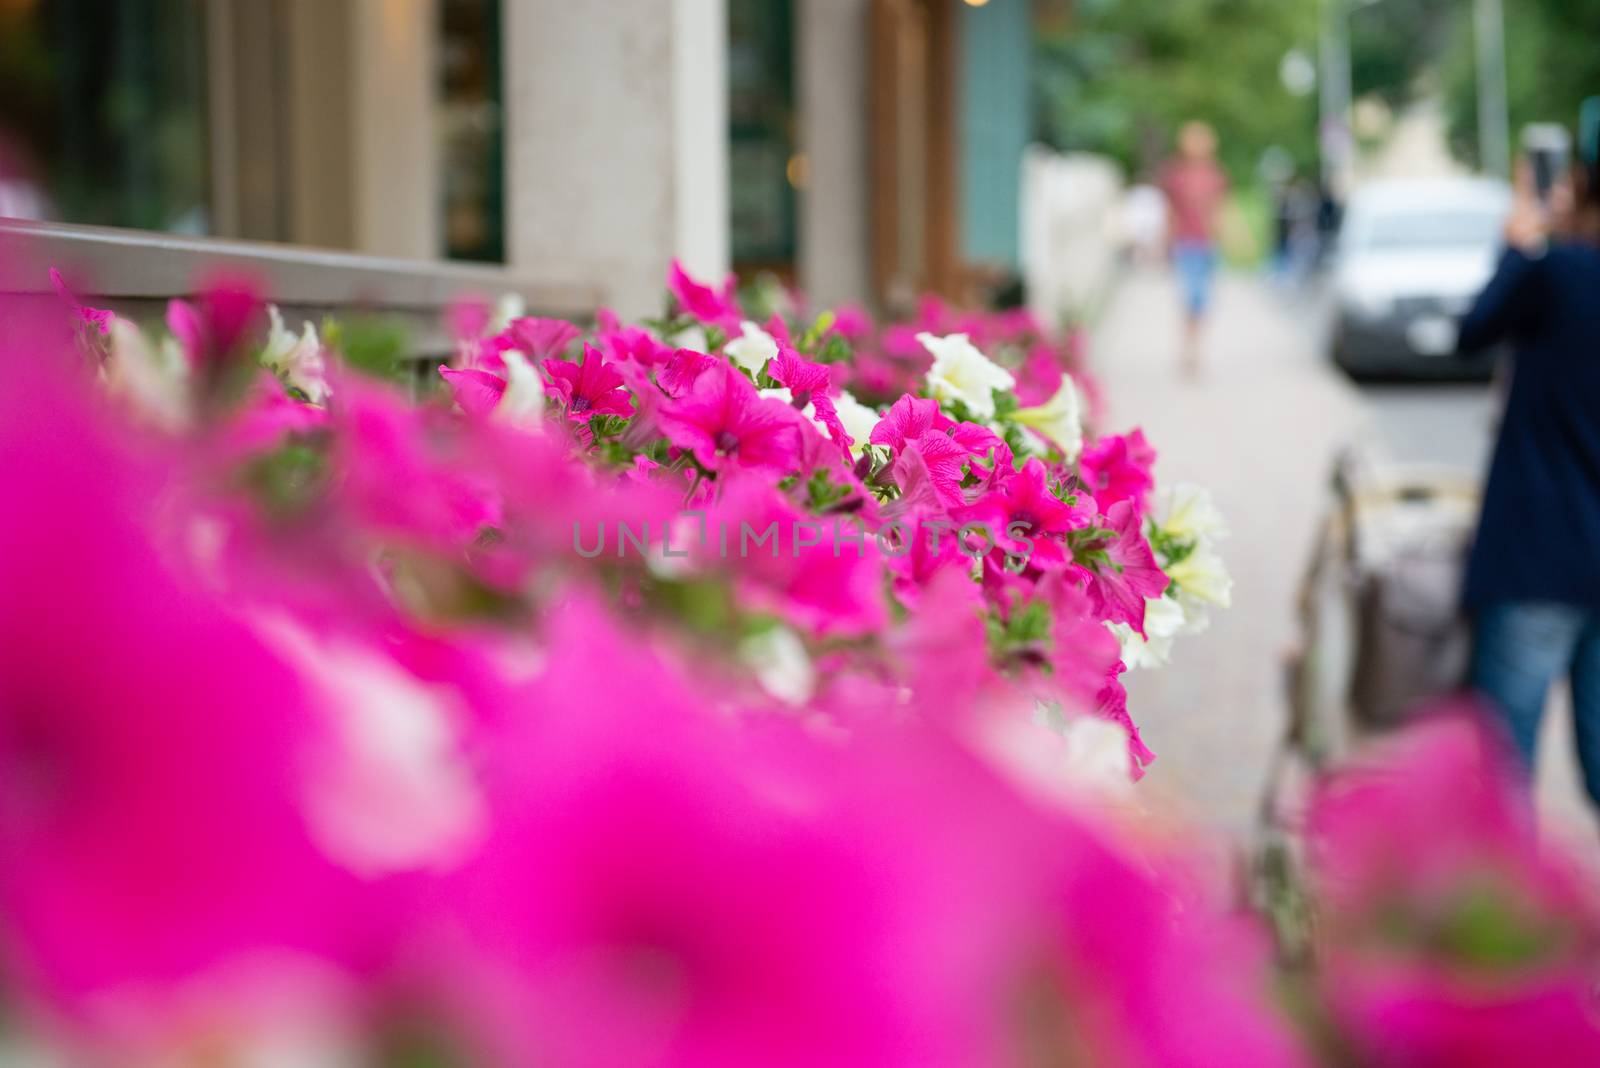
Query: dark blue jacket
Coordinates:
[1539,534]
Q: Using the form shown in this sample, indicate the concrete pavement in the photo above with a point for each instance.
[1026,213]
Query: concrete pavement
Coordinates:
[1258,427]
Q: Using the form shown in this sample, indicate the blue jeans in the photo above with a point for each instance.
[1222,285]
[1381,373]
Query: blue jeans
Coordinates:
[1518,649]
[1196,264]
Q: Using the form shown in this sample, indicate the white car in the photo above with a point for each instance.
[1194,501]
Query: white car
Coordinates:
[1412,256]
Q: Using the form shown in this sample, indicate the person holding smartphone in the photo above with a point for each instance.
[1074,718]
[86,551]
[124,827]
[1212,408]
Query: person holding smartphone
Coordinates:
[1532,586]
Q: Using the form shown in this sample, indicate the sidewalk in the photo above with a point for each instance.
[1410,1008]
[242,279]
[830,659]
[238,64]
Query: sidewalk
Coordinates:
[1259,429]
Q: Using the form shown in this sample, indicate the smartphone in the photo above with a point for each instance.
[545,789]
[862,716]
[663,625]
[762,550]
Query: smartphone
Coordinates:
[1548,149]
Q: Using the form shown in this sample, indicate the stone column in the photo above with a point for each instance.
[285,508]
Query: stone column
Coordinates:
[617,143]
[396,164]
[831,77]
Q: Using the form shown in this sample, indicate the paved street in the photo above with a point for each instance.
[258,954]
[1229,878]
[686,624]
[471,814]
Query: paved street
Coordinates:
[1260,428]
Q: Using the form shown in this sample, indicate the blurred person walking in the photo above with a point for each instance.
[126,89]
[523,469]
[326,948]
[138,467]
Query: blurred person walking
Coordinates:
[1532,588]
[1195,187]
[1294,246]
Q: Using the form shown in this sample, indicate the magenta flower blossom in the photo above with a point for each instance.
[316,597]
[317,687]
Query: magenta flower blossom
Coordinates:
[929,471]
[1128,575]
[1040,375]
[931,550]
[1084,657]
[808,570]
[810,385]
[477,392]
[1117,468]
[151,826]
[852,322]
[589,388]
[906,420]
[402,474]
[911,417]
[541,339]
[671,909]
[468,317]
[727,424]
[1111,703]
[211,330]
[682,369]
[632,344]
[1454,936]
[98,319]
[719,308]
[1027,518]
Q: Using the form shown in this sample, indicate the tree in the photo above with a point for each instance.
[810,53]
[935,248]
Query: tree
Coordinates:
[1119,77]
[1552,64]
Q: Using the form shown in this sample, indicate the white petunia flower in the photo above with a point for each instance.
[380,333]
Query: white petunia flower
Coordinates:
[394,792]
[522,404]
[692,337]
[781,664]
[752,349]
[1060,418]
[1201,575]
[1164,619]
[296,357]
[154,381]
[1186,512]
[510,306]
[961,373]
[858,418]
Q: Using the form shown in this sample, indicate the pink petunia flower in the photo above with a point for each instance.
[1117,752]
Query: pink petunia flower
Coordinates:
[541,339]
[824,574]
[727,424]
[151,821]
[1452,934]
[476,391]
[589,388]
[719,308]
[210,331]
[928,472]
[632,344]
[1128,575]
[680,370]
[906,420]
[97,318]
[1117,468]
[1028,519]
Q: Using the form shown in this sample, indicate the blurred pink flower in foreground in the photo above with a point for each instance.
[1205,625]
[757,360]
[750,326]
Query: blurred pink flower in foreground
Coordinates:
[151,747]
[1452,938]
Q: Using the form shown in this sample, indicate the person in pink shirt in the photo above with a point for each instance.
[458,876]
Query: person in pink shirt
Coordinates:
[1195,187]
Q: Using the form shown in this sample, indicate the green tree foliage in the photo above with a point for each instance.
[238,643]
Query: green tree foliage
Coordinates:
[1120,76]
[1552,64]
[1394,44]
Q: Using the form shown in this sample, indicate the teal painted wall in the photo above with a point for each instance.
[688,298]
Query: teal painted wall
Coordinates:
[996,44]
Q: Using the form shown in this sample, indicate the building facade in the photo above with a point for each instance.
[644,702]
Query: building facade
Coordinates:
[867,150]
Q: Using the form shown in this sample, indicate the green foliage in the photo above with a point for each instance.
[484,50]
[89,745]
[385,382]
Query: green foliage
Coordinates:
[1552,64]
[1023,635]
[289,479]
[1394,44]
[1120,76]
[371,345]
